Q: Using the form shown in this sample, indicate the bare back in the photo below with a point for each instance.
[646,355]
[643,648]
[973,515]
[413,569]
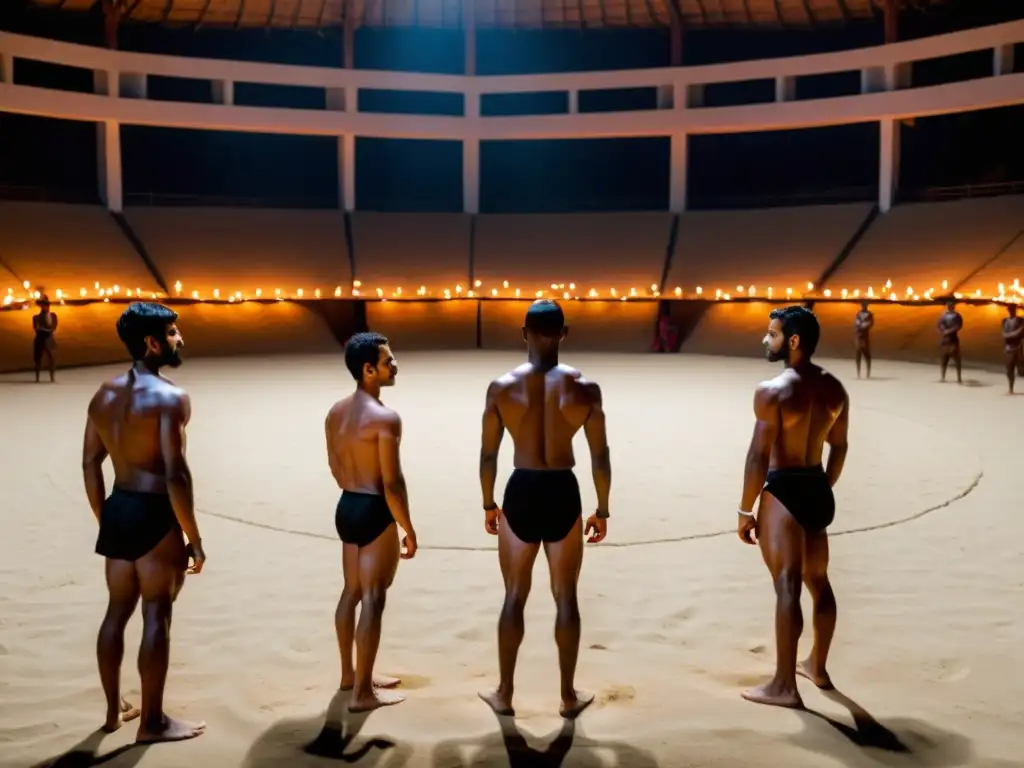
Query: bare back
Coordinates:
[354,430]
[543,411]
[808,403]
[134,416]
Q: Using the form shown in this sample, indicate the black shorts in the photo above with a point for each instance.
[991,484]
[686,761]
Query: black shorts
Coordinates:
[806,493]
[542,504]
[132,523]
[361,518]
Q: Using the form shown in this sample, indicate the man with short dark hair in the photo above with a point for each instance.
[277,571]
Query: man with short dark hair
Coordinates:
[797,412]
[950,324]
[363,438]
[1013,340]
[138,419]
[44,344]
[542,404]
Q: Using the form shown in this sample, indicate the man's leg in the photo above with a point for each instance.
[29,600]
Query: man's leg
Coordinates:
[944,362]
[516,558]
[867,358]
[958,363]
[51,364]
[123,587]
[161,574]
[345,621]
[378,562]
[816,579]
[782,544]
[857,356]
[565,559]
[1011,370]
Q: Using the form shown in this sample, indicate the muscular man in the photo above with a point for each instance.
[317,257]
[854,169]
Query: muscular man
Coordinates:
[363,437]
[44,345]
[950,325]
[797,413]
[138,420]
[1013,338]
[862,326]
[542,404]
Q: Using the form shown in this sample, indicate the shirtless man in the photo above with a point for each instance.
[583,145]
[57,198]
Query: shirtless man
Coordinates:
[363,438]
[138,419]
[1013,338]
[542,404]
[797,413]
[44,345]
[950,325]
[862,326]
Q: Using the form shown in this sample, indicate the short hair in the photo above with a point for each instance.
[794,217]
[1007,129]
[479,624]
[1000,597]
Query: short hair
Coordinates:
[361,349]
[142,319]
[799,321]
[545,318]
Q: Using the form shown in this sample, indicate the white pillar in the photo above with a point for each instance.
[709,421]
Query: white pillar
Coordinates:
[694,95]
[6,68]
[677,173]
[897,76]
[347,171]
[666,97]
[785,88]
[108,165]
[574,102]
[1002,63]
[133,85]
[888,163]
[223,92]
[872,80]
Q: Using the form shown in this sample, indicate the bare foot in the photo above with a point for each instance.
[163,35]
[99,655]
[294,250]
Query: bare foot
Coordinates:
[375,700]
[170,730]
[774,695]
[500,702]
[379,681]
[572,708]
[126,714]
[822,680]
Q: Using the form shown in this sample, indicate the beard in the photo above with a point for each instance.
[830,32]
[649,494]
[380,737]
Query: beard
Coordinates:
[775,357]
[170,357]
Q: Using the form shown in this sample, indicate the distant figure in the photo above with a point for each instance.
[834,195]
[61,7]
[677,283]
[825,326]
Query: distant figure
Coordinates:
[363,438]
[950,325]
[138,419]
[666,338]
[543,405]
[44,345]
[1013,338]
[862,326]
[797,412]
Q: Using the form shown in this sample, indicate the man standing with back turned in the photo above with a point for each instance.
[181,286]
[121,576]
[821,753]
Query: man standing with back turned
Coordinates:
[138,420]
[543,405]
[797,413]
[363,438]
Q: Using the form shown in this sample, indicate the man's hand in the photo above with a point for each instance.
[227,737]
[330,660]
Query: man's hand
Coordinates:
[747,529]
[409,545]
[596,529]
[491,517]
[194,552]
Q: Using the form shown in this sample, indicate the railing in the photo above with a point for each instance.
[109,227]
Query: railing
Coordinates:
[122,77]
[959,192]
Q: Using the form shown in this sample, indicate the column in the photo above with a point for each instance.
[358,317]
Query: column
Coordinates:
[1002,63]
[471,116]
[888,163]
[108,165]
[677,173]
[6,68]
[785,88]
[133,85]
[574,101]
[347,171]
[223,92]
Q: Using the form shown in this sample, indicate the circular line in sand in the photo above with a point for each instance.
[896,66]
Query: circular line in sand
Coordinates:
[691,537]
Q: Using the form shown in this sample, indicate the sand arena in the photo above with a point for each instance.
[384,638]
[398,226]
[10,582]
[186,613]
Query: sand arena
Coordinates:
[677,613]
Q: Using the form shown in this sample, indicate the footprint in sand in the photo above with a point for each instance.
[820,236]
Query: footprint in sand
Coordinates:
[598,647]
[948,671]
[616,694]
[413,682]
[472,635]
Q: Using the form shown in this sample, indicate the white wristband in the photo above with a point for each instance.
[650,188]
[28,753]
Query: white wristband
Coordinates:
[745,514]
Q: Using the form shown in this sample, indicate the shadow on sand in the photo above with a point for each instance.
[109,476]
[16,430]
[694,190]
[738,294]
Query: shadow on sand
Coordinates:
[310,742]
[86,754]
[511,748]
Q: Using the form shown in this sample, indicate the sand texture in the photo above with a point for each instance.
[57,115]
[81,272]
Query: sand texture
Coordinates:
[677,613]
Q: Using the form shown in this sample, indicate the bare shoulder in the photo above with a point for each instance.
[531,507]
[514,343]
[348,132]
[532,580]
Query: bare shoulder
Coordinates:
[387,420]
[506,380]
[833,387]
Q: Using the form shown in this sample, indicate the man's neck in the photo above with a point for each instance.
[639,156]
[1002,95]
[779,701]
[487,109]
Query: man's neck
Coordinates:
[372,390]
[146,365]
[543,361]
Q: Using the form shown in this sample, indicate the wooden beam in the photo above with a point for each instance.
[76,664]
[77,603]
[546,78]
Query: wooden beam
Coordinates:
[844,9]
[703,12]
[650,13]
[271,13]
[778,13]
[583,18]
[750,15]
[320,16]
[241,14]
[168,7]
[810,13]
[295,15]
[628,8]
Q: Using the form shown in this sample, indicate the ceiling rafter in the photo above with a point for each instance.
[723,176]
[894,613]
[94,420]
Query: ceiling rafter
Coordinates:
[703,12]
[811,18]
[168,7]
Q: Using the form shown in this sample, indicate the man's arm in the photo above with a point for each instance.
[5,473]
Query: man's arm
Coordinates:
[600,456]
[395,491]
[94,453]
[176,471]
[492,431]
[837,445]
[332,459]
[766,430]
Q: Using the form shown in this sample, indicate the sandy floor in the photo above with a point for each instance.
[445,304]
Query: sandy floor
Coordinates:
[677,614]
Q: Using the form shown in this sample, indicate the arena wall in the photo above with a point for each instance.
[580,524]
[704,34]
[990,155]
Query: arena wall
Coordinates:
[87,336]
[233,249]
[8,280]
[778,248]
[411,250]
[605,326]
[1005,269]
[69,247]
[599,251]
[413,325]
[919,245]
